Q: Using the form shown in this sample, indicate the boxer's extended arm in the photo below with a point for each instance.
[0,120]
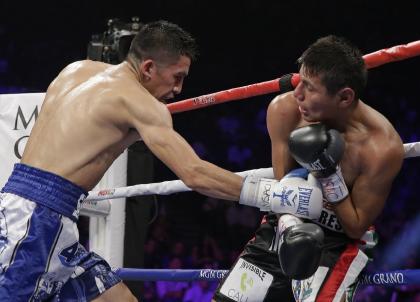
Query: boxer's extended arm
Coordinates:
[370,190]
[154,123]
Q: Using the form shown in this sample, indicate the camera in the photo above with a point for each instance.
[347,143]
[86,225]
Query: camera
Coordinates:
[112,46]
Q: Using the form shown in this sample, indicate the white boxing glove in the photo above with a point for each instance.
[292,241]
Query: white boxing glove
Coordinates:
[293,194]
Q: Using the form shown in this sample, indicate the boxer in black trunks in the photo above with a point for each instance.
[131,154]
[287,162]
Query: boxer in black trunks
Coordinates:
[333,77]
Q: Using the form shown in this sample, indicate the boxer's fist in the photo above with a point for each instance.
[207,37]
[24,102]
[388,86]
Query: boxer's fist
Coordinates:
[300,250]
[293,194]
[317,148]
[320,150]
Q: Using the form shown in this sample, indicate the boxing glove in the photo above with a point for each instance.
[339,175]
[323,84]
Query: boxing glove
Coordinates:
[300,250]
[298,193]
[319,149]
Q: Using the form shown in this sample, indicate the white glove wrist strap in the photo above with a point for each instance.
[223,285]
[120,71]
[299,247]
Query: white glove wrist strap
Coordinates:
[334,188]
[255,192]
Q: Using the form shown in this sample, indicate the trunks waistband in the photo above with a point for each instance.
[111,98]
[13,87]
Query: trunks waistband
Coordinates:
[47,189]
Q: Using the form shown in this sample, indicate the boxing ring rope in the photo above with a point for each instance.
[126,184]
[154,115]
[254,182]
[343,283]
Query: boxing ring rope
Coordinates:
[286,82]
[390,278]
[176,186]
[372,60]
[375,59]
[98,201]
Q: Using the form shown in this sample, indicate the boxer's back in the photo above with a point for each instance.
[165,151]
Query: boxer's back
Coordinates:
[77,134]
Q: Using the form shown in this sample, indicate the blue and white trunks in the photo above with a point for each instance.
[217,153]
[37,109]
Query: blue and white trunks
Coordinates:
[40,254]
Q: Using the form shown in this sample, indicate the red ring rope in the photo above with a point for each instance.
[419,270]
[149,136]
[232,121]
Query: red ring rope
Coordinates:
[372,60]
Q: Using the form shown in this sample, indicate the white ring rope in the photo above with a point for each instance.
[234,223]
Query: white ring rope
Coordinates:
[175,186]
[412,149]
[161,188]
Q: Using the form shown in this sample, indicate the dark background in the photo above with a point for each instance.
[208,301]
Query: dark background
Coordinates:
[240,43]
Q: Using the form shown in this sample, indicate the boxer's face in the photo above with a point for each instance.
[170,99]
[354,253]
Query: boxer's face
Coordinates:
[314,101]
[166,80]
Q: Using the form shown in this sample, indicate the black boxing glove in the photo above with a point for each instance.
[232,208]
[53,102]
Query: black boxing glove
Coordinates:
[319,149]
[300,250]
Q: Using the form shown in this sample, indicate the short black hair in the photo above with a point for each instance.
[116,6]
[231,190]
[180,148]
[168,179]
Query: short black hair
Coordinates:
[162,41]
[338,63]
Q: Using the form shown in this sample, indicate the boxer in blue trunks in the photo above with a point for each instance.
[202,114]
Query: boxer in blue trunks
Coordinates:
[91,113]
[41,249]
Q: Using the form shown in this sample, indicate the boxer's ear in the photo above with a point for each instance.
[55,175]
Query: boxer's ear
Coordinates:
[147,68]
[345,97]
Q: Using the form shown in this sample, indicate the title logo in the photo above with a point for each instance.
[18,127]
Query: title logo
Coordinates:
[204,99]
[22,122]
[304,198]
[285,197]
[383,278]
[259,272]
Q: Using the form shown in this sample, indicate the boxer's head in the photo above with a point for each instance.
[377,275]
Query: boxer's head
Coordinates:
[333,76]
[338,63]
[162,53]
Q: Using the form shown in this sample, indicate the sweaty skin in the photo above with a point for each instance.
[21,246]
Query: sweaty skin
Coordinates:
[372,158]
[78,133]
[93,111]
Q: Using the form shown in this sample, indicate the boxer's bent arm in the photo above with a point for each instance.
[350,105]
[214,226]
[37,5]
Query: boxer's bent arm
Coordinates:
[282,118]
[369,193]
[156,130]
